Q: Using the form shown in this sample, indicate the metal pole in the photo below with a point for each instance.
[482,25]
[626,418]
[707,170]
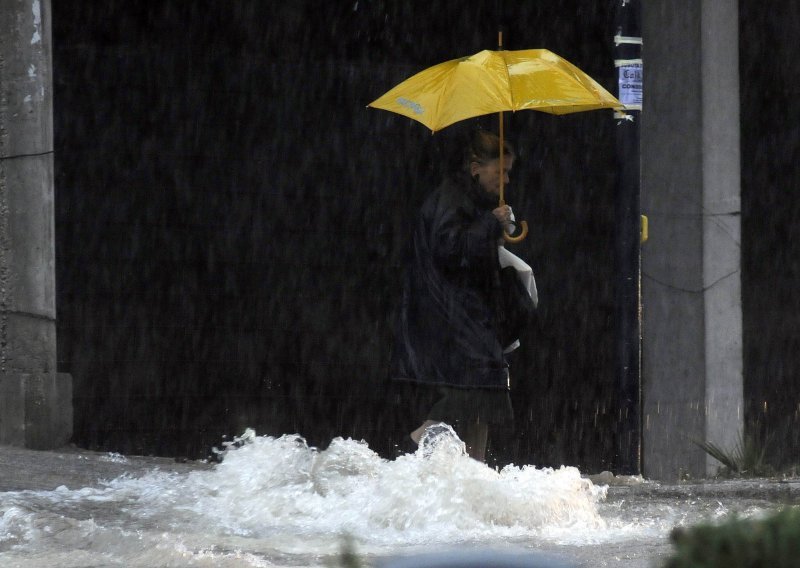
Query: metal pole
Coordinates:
[628,62]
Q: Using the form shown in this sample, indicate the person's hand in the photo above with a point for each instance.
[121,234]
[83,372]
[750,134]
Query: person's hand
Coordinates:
[503,214]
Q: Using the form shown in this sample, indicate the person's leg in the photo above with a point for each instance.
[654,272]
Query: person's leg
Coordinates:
[476,436]
[417,434]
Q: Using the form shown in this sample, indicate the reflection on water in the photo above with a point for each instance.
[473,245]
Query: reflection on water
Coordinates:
[277,502]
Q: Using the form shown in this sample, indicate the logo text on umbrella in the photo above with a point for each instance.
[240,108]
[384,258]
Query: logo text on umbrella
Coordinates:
[415,107]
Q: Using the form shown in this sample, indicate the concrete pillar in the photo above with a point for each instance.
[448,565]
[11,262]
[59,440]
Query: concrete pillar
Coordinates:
[35,401]
[692,331]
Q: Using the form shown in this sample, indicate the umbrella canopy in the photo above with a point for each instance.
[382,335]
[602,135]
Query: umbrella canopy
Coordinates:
[495,81]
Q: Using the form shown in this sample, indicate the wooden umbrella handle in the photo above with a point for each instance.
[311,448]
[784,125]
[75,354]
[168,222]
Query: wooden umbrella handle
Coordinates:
[524,233]
[523,224]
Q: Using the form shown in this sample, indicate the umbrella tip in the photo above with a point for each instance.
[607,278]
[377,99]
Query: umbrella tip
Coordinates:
[622,115]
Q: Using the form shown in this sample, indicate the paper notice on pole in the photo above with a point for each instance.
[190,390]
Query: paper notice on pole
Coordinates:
[630,85]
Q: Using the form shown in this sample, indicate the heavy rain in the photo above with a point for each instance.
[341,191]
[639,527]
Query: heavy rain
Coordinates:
[205,231]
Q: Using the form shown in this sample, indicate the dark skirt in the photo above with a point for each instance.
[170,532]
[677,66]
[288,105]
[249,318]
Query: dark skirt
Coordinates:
[413,403]
[465,406]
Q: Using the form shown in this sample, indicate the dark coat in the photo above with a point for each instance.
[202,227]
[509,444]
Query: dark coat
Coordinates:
[446,332]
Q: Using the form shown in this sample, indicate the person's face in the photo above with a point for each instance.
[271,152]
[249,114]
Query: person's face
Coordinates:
[489,173]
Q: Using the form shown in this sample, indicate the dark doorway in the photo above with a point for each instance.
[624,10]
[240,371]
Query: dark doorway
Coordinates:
[230,220]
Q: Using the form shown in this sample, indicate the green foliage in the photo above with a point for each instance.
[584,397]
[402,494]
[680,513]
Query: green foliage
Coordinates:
[740,543]
[746,459]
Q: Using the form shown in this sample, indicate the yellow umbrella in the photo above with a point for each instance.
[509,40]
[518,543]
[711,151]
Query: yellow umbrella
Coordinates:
[494,82]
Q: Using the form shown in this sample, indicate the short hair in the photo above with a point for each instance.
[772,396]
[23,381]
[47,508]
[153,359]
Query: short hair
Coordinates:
[484,146]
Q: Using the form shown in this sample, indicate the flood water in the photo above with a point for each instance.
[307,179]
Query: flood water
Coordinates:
[277,502]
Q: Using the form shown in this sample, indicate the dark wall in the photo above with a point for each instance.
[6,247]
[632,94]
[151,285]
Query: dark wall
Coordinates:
[230,220]
[770,95]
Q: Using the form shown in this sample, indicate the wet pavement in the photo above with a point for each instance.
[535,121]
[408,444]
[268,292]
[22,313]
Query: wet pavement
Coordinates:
[74,468]
[22,469]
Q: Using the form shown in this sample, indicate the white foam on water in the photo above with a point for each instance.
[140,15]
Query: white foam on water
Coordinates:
[272,485]
[273,499]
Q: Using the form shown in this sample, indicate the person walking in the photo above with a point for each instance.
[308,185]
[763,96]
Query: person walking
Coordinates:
[448,334]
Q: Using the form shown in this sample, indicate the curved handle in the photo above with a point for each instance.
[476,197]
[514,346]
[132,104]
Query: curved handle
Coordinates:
[524,233]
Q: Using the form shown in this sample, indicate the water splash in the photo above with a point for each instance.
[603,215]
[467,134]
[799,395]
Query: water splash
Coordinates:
[277,501]
[280,495]
[271,485]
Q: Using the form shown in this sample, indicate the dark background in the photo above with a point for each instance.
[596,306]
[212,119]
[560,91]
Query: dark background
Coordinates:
[770,117]
[230,220]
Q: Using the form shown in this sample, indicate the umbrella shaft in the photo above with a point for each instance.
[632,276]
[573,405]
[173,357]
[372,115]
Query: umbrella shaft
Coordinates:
[502,156]
[502,144]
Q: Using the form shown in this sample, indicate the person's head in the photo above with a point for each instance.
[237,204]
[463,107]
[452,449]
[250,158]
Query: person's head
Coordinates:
[483,160]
